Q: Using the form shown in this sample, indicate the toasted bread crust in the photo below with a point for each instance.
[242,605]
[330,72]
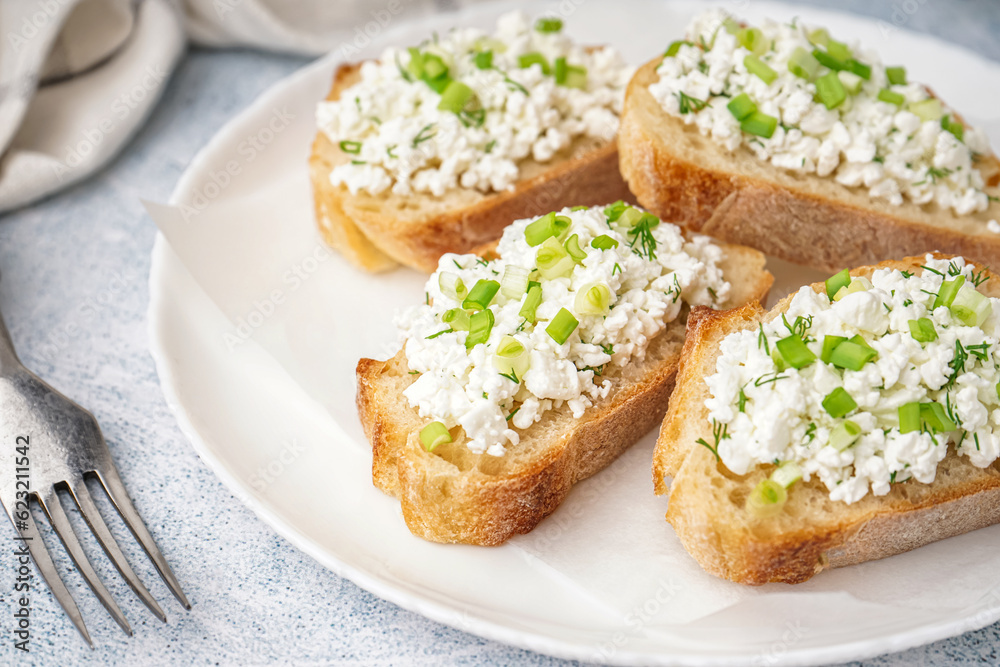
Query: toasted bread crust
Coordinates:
[809,220]
[447,499]
[729,544]
[374,237]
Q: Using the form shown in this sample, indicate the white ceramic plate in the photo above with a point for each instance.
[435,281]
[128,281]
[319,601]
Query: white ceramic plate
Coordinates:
[262,383]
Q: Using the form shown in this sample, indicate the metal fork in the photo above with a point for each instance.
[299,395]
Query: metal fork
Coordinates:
[60,443]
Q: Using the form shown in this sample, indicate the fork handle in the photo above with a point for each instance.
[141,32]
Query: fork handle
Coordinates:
[8,357]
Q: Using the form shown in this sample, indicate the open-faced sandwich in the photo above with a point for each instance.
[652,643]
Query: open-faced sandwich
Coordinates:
[523,374]
[436,148]
[857,419]
[785,139]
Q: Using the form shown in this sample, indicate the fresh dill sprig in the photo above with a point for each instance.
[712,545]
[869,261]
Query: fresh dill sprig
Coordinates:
[719,433]
[689,104]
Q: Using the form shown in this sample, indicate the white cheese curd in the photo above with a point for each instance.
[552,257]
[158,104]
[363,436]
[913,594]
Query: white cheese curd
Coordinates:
[646,287]
[769,412]
[401,142]
[898,149]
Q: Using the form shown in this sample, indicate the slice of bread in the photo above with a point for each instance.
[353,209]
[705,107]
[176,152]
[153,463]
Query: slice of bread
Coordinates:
[454,495]
[376,233]
[678,174]
[706,501]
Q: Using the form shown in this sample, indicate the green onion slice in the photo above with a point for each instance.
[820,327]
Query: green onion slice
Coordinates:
[859,68]
[457,319]
[741,106]
[452,286]
[514,282]
[753,40]
[604,242]
[838,402]
[553,261]
[536,232]
[434,434]
[562,326]
[836,281]
[852,82]
[613,211]
[830,91]
[548,24]
[851,355]
[935,417]
[767,499]
[484,59]
[844,435]
[896,76]
[929,109]
[575,251]
[760,69]
[674,47]
[481,295]
[456,97]
[830,343]
[795,352]
[819,37]
[886,95]
[802,64]
[838,50]
[480,326]
[949,290]
[351,147]
[511,358]
[534,58]
[970,307]
[827,60]
[759,124]
[593,299]
[787,474]
[531,302]
[953,126]
[629,217]
[909,417]
[922,330]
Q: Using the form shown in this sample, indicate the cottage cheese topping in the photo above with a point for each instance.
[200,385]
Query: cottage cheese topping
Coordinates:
[770,415]
[862,142]
[460,386]
[401,142]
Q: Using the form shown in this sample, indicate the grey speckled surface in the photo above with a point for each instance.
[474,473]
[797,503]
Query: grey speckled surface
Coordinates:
[74,294]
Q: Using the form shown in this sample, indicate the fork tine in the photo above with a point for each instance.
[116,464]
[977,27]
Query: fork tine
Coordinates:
[53,508]
[119,496]
[83,500]
[43,561]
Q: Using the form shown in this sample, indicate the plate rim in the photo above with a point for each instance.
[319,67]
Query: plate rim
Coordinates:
[381,586]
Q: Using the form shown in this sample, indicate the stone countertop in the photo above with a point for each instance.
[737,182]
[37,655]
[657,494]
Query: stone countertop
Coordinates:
[74,294]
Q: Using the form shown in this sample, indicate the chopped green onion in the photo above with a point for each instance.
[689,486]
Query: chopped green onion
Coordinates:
[830,91]
[484,59]
[457,319]
[434,434]
[575,251]
[560,224]
[480,326]
[970,307]
[531,302]
[934,416]
[896,76]
[838,50]
[760,69]
[818,37]
[674,47]
[767,499]
[452,286]
[886,95]
[949,290]
[838,402]
[629,217]
[539,230]
[514,282]
[613,211]
[844,435]
[830,343]
[851,355]
[753,40]
[953,126]
[593,299]
[909,417]
[787,474]
[827,60]
[571,76]
[455,97]
[534,58]
[759,124]
[859,68]
[731,26]
[548,24]
[929,109]
[741,106]
[604,242]
[922,330]
[481,295]
[511,358]
[351,147]
[836,281]
[779,361]
[852,82]
[552,260]
[802,64]
[561,326]
[795,352]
